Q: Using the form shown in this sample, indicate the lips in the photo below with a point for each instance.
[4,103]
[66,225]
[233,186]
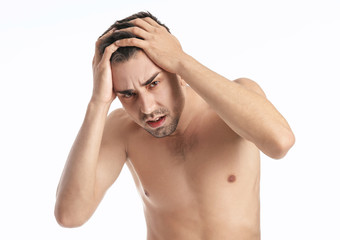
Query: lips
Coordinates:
[157,122]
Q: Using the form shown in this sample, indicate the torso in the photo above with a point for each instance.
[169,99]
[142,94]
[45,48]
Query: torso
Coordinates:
[202,184]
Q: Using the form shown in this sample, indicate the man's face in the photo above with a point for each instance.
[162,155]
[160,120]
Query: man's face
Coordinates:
[152,97]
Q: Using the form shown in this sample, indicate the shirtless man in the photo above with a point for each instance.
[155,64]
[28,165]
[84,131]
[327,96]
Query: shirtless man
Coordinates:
[190,137]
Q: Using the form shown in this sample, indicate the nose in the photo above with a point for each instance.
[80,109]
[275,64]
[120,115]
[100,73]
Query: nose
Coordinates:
[147,103]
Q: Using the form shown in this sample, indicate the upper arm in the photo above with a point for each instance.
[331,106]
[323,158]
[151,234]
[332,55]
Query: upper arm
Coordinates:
[285,138]
[250,85]
[112,154]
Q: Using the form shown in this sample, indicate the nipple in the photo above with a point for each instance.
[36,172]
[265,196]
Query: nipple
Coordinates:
[231,178]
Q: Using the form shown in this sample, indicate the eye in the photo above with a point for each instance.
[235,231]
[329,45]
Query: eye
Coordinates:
[128,95]
[154,84]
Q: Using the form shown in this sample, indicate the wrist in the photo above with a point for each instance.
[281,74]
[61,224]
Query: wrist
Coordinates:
[185,62]
[95,103]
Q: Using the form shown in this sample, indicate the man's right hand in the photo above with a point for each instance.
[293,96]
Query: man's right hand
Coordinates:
[97,155]
[103,91]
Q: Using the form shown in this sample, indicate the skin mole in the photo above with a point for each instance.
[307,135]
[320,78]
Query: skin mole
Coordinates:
[146,193]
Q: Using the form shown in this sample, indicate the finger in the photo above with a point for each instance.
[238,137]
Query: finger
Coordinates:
[104,36]
[137,31]
[150,21]
[140,22]
[107,33]
[109,50]
[131,42]
[97,54]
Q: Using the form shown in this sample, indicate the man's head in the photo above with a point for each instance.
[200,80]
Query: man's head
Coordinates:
[153,97]
[124,53]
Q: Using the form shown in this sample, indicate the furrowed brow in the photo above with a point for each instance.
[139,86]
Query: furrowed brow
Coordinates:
[150,79]
[129,91]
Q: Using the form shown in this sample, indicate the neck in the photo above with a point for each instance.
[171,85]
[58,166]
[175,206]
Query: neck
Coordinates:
[191,110]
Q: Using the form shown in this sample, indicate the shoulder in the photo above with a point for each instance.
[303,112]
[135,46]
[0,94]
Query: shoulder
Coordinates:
[250,85]
[116,117]
[118,114]
[119,123]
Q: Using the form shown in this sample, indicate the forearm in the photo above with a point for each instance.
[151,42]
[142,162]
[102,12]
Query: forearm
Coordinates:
[75,192]
[248,113]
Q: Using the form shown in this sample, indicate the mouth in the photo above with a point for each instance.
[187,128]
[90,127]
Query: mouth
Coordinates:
[157,122]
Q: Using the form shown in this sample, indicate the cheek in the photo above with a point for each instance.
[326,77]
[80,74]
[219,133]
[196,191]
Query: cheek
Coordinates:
[130,109]
[164,96]
[173,101]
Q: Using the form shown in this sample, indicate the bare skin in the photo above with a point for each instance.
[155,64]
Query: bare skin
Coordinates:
[199,184]
[197,181]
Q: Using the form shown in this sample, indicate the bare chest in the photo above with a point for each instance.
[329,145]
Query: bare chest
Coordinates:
[178,171]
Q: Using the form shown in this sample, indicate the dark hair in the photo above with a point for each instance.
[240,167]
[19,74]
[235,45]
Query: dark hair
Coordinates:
[124,53]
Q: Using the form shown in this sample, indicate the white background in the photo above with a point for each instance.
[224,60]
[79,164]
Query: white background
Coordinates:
[291,48]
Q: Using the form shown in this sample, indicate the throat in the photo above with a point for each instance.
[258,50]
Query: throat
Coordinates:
[181,146]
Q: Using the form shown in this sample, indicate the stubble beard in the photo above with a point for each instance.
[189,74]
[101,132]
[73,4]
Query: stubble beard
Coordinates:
[165,130]
[173,119]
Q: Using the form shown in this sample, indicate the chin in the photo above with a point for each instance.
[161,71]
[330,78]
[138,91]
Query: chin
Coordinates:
[163,131]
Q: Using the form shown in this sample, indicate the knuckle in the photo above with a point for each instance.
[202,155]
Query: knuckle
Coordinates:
[137,20]
[162,28]
[107,49]
[107,52]
[148,19]
[157,30]
[110,48]
[134,30]
[130,40]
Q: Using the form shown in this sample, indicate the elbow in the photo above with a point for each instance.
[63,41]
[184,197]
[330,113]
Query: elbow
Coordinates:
[68,219]
[283,143]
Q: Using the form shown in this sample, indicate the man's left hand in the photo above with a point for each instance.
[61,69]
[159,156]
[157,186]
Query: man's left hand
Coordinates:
[161,47]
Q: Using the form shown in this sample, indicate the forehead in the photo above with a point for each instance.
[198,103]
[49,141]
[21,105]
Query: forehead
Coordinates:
[135,71]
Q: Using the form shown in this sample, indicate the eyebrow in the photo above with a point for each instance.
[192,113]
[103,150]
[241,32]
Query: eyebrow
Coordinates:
[147,82]
[150,79]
